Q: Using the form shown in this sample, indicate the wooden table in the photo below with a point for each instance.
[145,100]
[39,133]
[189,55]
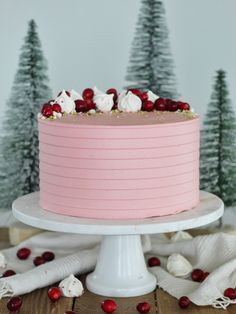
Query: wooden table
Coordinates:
[38,302]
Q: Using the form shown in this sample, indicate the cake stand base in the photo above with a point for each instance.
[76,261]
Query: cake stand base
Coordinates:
[121,269]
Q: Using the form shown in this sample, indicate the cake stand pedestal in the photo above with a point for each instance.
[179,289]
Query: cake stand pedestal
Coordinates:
[121,270]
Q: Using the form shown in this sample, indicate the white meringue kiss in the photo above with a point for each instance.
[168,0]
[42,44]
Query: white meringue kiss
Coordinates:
[74,95]
[129,102]
[71,287]
[181,236]
[97,91]
[3,261]
[178,265]
[151,96]
[67,103]
[104,102]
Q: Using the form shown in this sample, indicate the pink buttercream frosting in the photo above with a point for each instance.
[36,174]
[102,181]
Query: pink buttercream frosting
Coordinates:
[119,165]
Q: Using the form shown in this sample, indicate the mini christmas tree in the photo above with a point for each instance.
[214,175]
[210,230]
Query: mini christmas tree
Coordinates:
[218,145]
[151,64]
[19,162]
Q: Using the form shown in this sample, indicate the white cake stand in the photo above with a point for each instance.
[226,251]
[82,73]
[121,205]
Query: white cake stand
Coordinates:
[121,270]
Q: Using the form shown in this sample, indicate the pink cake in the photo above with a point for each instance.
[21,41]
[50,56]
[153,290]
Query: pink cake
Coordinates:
[119,165]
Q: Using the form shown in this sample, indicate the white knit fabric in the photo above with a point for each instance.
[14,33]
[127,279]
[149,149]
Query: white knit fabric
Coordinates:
[77,254]
[214,253]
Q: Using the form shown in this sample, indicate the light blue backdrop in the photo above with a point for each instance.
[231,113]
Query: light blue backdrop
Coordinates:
[87,42]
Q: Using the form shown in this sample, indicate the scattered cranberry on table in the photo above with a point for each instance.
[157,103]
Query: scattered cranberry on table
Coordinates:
[108,306]
[205,275]
[14,304]
[197,275]
[154,261]
[88,93]
[39,260]
[23,253]
[48,256]
[184,302]
[54,294]
[8,273]
[143,307]
[230,293]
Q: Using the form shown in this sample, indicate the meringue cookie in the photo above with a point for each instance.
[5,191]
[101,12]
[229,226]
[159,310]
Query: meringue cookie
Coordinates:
[67,103]
[71,287]
[3,261]
[178,266]
[74,95]
[181,236]
[104,102]
[129,103]
[151,96]
[97,91]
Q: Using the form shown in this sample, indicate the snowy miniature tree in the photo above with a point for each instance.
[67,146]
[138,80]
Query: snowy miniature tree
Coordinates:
[151,64]
[19,161]
[218,144]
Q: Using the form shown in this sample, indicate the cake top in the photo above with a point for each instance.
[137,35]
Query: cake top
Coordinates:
[130,107]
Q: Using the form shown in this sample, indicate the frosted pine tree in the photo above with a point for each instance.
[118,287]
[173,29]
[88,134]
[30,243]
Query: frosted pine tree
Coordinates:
[151,65]
[19,162]
[218,145]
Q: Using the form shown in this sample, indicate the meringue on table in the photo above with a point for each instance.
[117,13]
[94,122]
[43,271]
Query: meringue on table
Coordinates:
[71,287]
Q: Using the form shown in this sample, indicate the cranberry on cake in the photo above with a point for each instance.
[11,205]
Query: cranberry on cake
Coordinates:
[113,155]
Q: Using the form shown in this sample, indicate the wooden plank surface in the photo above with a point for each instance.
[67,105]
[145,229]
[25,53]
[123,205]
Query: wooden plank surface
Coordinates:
[90,303]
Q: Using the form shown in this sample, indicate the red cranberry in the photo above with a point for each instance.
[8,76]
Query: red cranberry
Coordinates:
[205,275]
[88,93]
[143,307]
[135,91]
[184,302]
[144,96]
[230,293]
[183,105]
[172,105]
[8,273]
[14,304]
[160,104]
[48,256]
[56,107]
[23,253]
[114,92]
[108,306]
[148,105]
[115,106]
[81,105]
[197,275]
[54,294]
[39,260]
[47,110]
[154,261]
[67,93]
[90,104]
